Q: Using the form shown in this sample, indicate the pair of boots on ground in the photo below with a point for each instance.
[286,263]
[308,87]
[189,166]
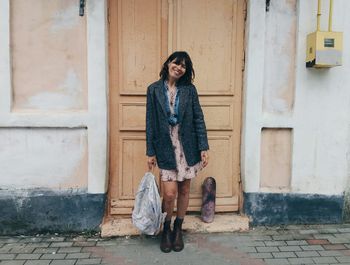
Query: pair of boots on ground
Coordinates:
[172,240]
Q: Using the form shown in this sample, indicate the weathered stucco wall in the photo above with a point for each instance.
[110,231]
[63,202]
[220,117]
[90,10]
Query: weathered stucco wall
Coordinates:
[49,58]
[41,157]
[53,115]
[312,104]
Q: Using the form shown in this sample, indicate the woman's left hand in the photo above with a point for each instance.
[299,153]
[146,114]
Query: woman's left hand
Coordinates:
[205,158]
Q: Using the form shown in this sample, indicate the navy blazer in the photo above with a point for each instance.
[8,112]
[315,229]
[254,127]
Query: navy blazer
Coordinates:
[192,130]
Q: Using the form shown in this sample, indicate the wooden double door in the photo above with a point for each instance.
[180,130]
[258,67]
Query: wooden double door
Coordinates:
[142,33]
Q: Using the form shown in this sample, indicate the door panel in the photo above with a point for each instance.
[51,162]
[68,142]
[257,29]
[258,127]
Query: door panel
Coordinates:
[141,36]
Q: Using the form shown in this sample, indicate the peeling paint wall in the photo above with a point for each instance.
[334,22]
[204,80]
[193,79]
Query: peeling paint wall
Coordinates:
[49,55]
[280,92]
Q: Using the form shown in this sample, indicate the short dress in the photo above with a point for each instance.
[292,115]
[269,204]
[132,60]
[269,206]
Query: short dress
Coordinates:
[183,171]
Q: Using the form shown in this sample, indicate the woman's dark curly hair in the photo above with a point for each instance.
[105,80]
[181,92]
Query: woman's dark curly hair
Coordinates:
[179,57]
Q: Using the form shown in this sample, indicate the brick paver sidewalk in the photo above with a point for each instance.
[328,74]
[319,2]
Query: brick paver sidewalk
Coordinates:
[316,244]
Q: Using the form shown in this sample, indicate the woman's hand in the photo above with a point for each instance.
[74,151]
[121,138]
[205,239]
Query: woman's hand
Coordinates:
[151,161]
[204,158]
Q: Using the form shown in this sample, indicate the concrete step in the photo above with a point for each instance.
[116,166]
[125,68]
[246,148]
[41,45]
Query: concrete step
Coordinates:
[118,226]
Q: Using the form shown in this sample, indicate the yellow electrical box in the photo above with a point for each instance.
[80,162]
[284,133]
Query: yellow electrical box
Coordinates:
[324,49]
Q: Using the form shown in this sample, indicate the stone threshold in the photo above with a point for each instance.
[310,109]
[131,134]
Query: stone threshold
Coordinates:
[119,226]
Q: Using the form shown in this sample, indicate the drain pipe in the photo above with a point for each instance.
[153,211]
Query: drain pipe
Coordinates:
[330,15]
[318,15]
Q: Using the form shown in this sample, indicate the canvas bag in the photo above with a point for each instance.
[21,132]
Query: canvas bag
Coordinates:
[147,214]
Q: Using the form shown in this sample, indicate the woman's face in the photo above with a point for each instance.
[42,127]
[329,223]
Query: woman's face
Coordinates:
[176,70]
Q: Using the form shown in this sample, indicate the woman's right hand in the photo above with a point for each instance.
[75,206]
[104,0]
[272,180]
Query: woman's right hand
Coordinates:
[151,161]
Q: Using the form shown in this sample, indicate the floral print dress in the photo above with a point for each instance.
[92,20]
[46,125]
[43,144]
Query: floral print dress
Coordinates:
[183,170]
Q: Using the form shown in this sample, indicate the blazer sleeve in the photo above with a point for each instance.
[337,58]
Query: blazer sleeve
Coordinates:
[199,123]
[149,124]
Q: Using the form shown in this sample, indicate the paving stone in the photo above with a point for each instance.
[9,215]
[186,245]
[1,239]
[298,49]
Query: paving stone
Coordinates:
[28,256]
[345,252]
[324,236]
[328,230]
[79,239]
[267,249]
[276,261]
[45,250]
[283,237]
[307,232]
[300,261]
[283,255]
[12,262]
[290,248]
[61,244]
[9,239]
[329,253]
[94,239]
[262,255]
[339,240]
[343,259]
[335,247]
[31,240]
[254,244]
[275,243]
[15,245]
[344,230]
[324,260]
[84,255]
[7,256]
[312,247]
[39,245]
[105,243]
[53,256]
[37,262]
[303,254]
[317,241]
[25,249]
[54,239]
[63,262]
[247,249]
[69,250]
[5,249]
[88,261]
[296,242]
[84,244]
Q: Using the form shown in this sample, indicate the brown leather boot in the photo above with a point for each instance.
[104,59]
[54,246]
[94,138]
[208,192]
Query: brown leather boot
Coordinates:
[166,242]
[178,243]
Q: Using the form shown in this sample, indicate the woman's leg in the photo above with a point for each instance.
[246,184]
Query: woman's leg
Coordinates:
[183,197]
[169,195]
[182,204]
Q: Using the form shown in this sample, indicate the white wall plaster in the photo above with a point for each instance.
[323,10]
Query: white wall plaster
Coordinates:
[69,96]
[321,114]
[322,110]
[45,158]
[252,95]
[95,120]
[98,95]
[65,19]
[5,66]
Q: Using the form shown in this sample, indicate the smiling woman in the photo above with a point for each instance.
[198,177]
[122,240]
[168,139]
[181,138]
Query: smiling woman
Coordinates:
[176,139]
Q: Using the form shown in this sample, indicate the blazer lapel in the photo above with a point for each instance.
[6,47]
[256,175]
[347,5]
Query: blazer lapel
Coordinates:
[183,99]
[160,96]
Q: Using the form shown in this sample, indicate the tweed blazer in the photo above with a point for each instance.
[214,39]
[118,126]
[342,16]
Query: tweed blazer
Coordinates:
[192,129]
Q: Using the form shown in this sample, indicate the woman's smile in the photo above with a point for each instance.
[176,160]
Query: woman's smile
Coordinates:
[176,70]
